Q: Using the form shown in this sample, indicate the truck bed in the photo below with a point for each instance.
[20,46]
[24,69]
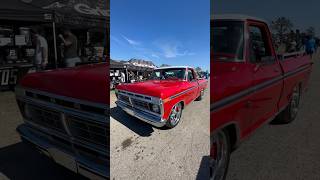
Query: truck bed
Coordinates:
[296,68]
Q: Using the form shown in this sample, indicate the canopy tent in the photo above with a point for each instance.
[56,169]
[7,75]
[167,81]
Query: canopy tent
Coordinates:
[17,10]
[90,15]
[121,65]
[77,13]
[80,14]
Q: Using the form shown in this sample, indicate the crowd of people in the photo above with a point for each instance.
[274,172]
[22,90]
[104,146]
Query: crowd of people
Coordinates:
[297,42]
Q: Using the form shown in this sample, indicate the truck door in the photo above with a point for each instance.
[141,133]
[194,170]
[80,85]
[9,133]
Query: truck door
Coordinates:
[194,85]
[266,71]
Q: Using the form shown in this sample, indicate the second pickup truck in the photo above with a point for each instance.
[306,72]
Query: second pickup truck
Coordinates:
[160,100]
[251,84]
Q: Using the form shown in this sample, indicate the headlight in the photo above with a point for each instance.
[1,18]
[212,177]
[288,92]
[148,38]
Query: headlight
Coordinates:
[155,108]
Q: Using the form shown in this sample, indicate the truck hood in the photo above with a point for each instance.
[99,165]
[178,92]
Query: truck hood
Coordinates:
[88,82]
[156,88]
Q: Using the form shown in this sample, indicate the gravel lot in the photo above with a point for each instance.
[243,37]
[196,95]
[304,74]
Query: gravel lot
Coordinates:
[141,151]
[17,160]
[289,151]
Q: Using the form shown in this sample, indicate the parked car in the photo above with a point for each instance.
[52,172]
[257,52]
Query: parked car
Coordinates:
[251,84]
[65,117]
[161,99]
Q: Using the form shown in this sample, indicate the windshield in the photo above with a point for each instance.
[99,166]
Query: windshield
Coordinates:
[227,40]
[168,74]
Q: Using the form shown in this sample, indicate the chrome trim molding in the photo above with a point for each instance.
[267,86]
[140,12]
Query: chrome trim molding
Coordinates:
[45,144]
[183,92]
[152,100]
[233,98]
[22,91]
[144,116]
[187,90]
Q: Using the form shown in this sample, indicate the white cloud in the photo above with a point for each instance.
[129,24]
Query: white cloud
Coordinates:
[115,39]
[130,41]
[172,49]
[155,56]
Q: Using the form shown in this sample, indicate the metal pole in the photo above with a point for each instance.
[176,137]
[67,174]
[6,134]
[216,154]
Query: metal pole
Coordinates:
[127,78]
[55,44]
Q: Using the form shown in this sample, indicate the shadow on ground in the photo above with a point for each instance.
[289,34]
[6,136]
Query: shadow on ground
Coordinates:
[204,170]
[21,162]
[139,127]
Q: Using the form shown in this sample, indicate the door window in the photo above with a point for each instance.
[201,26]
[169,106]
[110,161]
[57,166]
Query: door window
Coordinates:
[260,50]
[190,75]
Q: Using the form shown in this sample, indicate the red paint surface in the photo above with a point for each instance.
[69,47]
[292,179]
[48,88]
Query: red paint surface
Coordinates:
[251,111]
[166,88]
[88,82]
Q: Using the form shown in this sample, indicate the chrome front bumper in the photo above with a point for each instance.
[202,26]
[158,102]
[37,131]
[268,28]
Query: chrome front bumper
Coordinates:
[142,115]
[63,156]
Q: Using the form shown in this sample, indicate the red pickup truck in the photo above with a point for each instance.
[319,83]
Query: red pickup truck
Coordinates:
[251,84]
[160,100]
[65,114]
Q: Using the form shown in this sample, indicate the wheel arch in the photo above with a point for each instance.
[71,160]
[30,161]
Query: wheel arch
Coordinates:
[234,134]
[182,103]
[233,130]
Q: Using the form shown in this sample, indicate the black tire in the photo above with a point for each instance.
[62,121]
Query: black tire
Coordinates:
[175,116]
[290,112]
[200,96]
[219,166]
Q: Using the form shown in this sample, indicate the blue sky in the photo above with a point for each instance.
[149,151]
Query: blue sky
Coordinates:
[303,13]
[174,32]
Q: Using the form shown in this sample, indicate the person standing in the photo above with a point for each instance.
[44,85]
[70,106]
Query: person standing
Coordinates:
[310,45]
[41,51]
[70,43]
[298,40]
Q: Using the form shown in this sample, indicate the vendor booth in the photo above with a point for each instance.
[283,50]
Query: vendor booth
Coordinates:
[86,20]
[16,48]
[124,72]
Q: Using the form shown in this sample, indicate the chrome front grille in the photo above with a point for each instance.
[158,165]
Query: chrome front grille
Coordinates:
[65,102]
[88,131]
[44,117]
[141,104]
[84,122]
[139,101]
[124,98]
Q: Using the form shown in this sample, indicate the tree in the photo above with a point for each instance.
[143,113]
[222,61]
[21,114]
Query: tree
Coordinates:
[281,26]
[198,69]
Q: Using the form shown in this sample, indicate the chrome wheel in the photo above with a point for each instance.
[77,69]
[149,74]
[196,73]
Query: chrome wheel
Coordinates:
[175,115]
[295,101]
[220,153]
